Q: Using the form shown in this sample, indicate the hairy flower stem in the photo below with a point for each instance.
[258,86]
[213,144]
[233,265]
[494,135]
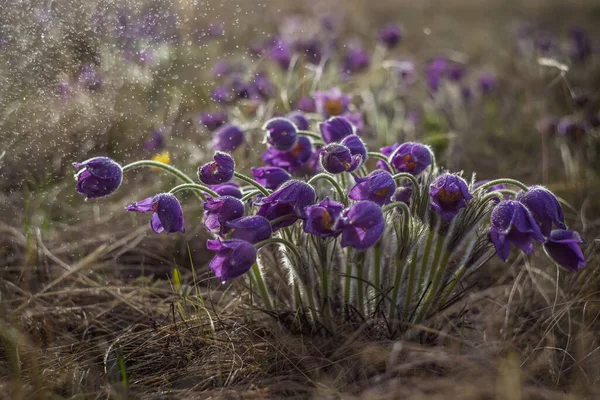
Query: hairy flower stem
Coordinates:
[360,287]
[450,288]
[196,187]
[290,246]
[377,267]
[398,272]
[310,134]
[405,210]
[411,285]
[437,271]
[505,181]
[333,182]
[325,304]
[347,281]
[410,177]
[262,288]
[425,260]
[252,182]
[250,194]
[381,157]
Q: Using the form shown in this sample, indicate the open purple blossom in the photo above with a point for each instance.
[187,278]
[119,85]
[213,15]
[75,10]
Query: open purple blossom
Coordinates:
[234,257]
[332,102]
[411,157]
[449,194]
[361,225]
[156,141]
[252,229]
[335,129]
[292,160]
[227,138]
[378,187]
[167,213]
[336,158]
[322,217]
[282,133]
[564,248]
[270,177]
[299,120]
[220,170]
[544,207]
[356,146]
[219,210]
[511,223]
[227,189]
[291,198]
[99,177]
[212,120]
[390,35]
[386,151]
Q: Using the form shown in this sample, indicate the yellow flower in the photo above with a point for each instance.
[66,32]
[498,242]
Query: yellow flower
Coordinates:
[163,157]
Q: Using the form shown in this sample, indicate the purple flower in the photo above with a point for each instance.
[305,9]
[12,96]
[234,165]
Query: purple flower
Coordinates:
[335,129]
[221,68]
[227,189]
[167,216]
[386,151]
[390,35]
[362,225]
[332,102]
[270,177]
[222,95]
[356,146]
[456,72]
[212,120]
[252,229]
[356,59]
[511,223]
[435,71]
[282,134]
[355,119]
[227,138]
[449,193]
[299,120]
[292,160]
[336,158]
[89,77]
[241,89]
[581,46]
[544,207]
[156,141]
[306,104]
[99,177]
[218,171]
[377,187]
[499,186]
[262,86]
[563,247]
[219,210]
[487,83]
[291,198]
[281,53]
[570,127]
[321,218]
[234,257]
[411,157]
[403,194]
[311,49]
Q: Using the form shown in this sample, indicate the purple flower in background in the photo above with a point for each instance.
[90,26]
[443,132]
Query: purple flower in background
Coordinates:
[234,257]
[435,71]
[167,214]
[544,207]
[227,138]
[156,141]
[570,127]
[311,49]
[321,218]
[241,88]
[487,82]
[99,177]
[386,151]
[336,158]
[466,93]
[456,72]
[89,77]
[219,210]
[262,86]
[270,177]
[306,104]
[212,120]
[332,102]
[563,247]
[403,193]
[511,223]
[355,119]
[299,120]
[218,171]
[390,35]
[355,60]
[313,165]
[281,53]
[252,229]
[449,194]
[282,133]
[335,129]
[377,187]
[222,95]
[227,189]
[581,46]
[292,160]
[221,68]
[411,157]
[291,198]
[356,146]
[362,225]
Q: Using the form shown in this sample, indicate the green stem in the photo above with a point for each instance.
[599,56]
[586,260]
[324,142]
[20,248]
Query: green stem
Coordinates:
[438,270]
[279,219]
[333,182]
[347,281]
[262,288]
[157,164]
[310,134]
[285,242]
[396,288]
[506,181]
[250,195]
[450,288]
[412,178]
[411,285]
[381,157]
[194,186]
[251,182]
[376,267]
[425,260]
[360,287]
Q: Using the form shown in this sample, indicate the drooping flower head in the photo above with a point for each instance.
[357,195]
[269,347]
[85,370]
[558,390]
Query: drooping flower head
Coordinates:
[449,194]
[227,138]
[386,151]
[219,210]
[321,218]
[298,118]
[234,257]
[228,189]
[390,35]
[292,160]
[511,223]
[99,177]
[291,198]
[167,214]
[220,170]
[335,129]
[270,177]
[332,102]
[411,157]
[378,187]
[356,146]
[361,225]
[336,158]
[563,247]
[544,207]
[252,229]
[212,120]
[282,133]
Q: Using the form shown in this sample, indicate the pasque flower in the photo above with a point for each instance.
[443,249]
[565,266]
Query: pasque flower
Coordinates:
[227,189]
[356,146]
[390,35]
[219,210]
[512,223]
[332,102]
[220,170]
[336,158]
[386,151]
[544,208]
[361,225]
[299,120]
[167,214]
[321,218]
[291,198]
[234,257]
[212,120]
[282,133]
[377,187]
[99,177]
[270,177]
[156,141]
[335,129]
[227,138]
[292,160]
[449,194]
[252,229]
[411,157]
[563,247]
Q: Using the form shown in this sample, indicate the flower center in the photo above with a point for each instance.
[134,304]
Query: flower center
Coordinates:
[327,220]
[409,162]
[448,197]
[333,106]
[213,168]
[383,191]
[296,150]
